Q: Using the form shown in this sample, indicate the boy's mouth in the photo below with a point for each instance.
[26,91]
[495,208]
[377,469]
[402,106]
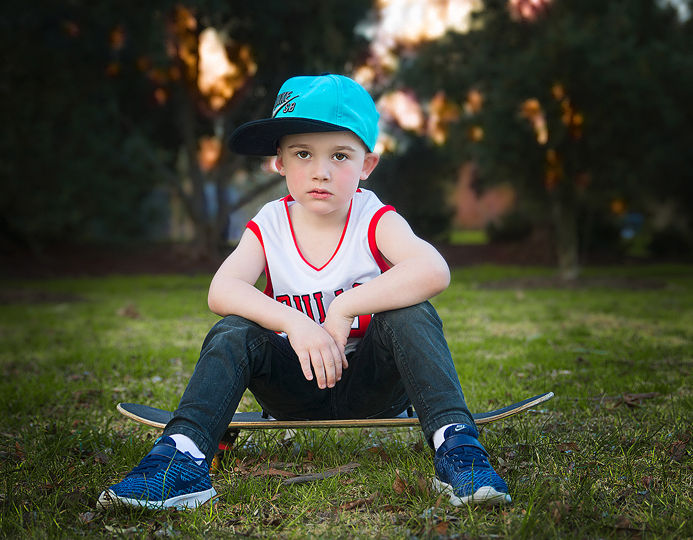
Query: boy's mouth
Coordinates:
[319,193]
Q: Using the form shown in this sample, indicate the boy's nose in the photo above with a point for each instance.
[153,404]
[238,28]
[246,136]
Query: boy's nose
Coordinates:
[321,169]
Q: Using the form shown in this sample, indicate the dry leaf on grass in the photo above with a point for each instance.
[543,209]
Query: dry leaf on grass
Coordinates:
[624,523]
[378,451]
[101,458]
[130,311]
[442,528]
[568,447]
[647,481]
[271,471]
[418,446]
[635,400]
[558,509]
[679,448]
[18,451]
[358,503]
[423,483]
[399,485]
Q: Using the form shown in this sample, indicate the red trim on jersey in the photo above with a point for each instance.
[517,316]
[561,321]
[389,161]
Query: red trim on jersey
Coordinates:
[288,199]
[372,243]
[254,227]
[269,291]
[364,321]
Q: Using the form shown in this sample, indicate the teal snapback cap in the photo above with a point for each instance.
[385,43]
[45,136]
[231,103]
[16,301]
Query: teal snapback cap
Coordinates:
[308,105]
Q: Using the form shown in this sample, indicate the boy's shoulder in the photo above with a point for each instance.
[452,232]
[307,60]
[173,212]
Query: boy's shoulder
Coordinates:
[365,194]
[272,211]
[275,203]
[367,199]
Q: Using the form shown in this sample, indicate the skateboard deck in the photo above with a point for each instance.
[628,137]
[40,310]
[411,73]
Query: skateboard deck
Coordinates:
[158,418]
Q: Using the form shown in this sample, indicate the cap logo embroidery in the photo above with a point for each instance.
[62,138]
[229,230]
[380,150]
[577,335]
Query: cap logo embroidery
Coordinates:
[284,101]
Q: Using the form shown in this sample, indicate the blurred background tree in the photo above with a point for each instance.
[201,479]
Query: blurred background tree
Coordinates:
[70,169]
[103,102]
[416,180]
[583,105]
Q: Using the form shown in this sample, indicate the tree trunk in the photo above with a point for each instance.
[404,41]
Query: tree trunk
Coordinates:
[209,241]
[564,218]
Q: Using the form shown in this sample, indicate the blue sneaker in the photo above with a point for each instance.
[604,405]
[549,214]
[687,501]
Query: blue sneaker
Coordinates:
[165,478]
[464,472]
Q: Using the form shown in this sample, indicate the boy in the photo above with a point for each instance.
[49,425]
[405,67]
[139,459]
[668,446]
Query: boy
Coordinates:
[343,328]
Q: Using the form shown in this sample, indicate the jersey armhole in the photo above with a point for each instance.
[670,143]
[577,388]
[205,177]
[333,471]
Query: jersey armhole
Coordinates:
[372,243]
[269,291]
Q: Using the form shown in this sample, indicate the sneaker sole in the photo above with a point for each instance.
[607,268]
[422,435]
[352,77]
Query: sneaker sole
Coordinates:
[483,495]
[190,500]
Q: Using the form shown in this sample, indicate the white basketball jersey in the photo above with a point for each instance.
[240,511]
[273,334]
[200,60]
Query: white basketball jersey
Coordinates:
[292,280]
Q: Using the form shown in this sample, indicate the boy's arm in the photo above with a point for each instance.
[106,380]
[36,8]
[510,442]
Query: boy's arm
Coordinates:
[418,273]
[232,292]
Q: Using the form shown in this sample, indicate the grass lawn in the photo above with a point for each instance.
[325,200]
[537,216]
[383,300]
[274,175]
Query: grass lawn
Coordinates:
[609,456]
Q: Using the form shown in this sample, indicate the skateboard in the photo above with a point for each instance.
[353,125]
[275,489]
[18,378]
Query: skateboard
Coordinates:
[158,418]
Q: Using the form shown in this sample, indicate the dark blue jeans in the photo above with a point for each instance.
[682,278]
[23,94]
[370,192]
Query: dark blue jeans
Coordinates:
[403,359]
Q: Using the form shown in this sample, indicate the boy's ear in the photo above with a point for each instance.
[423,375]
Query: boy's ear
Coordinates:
[369,163]
[279,162]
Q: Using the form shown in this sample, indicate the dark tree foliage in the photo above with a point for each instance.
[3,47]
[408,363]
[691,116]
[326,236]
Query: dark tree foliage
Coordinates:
[85,141]
[613,80]
[69,167]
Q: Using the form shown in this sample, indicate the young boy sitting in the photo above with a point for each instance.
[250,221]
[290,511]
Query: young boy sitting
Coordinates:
[343,328]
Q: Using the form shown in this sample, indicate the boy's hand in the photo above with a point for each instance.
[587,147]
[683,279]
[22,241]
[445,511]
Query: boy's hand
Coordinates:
[338,326]
[315,347]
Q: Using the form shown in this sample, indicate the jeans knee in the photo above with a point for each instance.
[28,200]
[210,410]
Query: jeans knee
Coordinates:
[233,328]
[235,322]
[417,315]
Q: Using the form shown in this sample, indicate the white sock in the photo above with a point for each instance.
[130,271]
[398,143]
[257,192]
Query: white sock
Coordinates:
[186,444]
[439,436]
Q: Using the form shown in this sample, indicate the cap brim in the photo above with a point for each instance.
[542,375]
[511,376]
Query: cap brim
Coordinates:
[261,137]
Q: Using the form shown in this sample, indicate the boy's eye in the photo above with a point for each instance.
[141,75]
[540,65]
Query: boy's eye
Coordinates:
[303,154]
[340,157]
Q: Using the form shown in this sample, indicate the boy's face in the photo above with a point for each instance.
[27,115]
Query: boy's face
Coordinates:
[323,170]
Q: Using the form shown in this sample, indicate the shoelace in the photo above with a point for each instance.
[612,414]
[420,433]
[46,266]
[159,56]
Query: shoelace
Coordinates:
[150,464]
[464,457]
